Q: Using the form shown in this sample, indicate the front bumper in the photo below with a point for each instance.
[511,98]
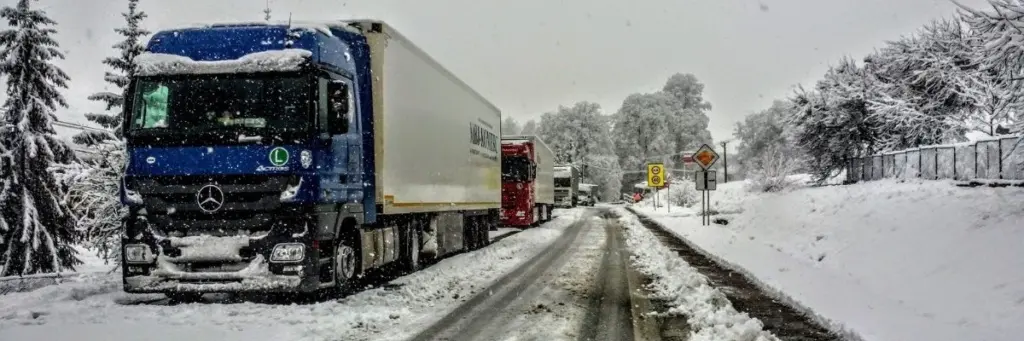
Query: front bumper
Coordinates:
[233,263]
[509,217]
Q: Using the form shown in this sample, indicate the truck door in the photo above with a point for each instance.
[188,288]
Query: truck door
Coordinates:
[337,119]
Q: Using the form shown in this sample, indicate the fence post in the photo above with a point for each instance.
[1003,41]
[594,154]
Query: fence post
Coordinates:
[976,159]
[936,163]
[954,163]
[920,163]
[1000,143]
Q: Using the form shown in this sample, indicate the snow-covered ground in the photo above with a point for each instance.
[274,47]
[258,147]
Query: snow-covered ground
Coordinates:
[501,231]
[889,260]
[97,309]
[686,290]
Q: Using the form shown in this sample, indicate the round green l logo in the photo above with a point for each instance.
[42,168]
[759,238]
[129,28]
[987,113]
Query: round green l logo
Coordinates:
[278,156]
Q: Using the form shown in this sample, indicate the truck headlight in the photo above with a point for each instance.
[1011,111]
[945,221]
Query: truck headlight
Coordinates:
[138,253]
[290,252]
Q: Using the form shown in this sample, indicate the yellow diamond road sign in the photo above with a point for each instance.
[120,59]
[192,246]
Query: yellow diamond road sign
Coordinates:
[705,157]
[655,175]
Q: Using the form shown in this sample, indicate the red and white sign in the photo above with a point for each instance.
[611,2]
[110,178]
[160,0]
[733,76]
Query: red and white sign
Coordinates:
[705,157]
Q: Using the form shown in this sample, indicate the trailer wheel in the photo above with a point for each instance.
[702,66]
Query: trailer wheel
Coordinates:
[410,255]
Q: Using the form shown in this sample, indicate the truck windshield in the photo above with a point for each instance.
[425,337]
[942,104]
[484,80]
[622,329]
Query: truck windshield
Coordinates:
[515,168]
[223,103]
[563,182]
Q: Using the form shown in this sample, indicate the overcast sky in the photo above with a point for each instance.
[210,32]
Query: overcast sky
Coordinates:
[529,56]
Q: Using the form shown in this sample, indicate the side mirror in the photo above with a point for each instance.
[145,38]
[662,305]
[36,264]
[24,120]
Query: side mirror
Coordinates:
[337,107]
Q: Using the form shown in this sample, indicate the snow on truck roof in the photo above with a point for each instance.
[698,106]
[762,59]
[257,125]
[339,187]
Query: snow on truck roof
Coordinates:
[267,61]
[322,26]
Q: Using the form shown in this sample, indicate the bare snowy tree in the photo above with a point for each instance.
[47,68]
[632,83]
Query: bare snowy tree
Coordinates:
[643,130]
[761,131]
[36,227]
[529,128]
[509,126]
[578,136]
[123,64]
[93,195]
[832,123]
[1002,30]
[688,118]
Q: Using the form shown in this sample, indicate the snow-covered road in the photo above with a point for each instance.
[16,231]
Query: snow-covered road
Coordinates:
[97,309]
[575,290]
[591,274]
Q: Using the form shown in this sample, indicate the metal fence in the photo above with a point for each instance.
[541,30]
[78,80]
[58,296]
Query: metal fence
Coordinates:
[989,159]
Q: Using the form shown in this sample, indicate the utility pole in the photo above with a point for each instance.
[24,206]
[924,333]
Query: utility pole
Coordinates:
[725,161]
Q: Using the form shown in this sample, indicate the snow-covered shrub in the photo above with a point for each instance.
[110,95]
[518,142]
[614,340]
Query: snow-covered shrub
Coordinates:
[770,172]
[94,198]
[683,193]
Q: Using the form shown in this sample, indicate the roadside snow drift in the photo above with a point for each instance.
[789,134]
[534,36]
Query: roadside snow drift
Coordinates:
[889,260]
[708,311]
[98,310]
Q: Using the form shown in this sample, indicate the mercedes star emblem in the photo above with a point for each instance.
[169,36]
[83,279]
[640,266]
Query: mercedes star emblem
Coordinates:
[210,198]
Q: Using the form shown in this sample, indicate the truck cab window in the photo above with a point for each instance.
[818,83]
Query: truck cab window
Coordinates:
[339,106]
[153,113]
[516,168]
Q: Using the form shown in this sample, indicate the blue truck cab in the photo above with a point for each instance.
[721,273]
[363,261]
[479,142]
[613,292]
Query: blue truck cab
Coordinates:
[251,163]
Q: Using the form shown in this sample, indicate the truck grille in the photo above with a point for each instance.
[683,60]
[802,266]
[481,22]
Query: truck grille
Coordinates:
[248,201]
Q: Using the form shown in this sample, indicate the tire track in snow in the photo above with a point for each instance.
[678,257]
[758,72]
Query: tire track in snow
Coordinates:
[472,318]
[610,311]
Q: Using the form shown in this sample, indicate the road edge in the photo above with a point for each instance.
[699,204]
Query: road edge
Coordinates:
[834,327]
[645,327]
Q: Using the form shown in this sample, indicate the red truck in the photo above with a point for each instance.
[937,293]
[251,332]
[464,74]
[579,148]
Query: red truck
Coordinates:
[527,181]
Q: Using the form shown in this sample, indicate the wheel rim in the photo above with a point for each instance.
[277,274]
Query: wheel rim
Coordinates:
[346,263]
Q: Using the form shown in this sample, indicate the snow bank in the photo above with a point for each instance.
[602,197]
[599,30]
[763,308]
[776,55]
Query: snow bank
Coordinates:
[90,310]
[707,309]
[915,260]
[150,64]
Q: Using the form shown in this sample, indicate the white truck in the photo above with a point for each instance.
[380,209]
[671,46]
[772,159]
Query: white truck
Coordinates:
[587,196]
[567,186]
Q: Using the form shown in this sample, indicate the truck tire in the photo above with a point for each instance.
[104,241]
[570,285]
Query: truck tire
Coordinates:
[409,259]
[346,260]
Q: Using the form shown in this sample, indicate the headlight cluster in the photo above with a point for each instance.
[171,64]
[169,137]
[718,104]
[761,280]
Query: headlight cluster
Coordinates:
[138,253]
[289,252]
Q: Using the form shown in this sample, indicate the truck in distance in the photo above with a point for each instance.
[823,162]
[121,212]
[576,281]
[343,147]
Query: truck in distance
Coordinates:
[527,183]
[587,196]
[291,158]
[567,186]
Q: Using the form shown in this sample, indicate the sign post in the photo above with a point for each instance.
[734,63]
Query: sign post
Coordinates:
[706,180]
[655,178]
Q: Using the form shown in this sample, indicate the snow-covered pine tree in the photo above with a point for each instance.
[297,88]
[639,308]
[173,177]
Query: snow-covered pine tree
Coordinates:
[93,186]
[122,64]
[36,228]
[266,12]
